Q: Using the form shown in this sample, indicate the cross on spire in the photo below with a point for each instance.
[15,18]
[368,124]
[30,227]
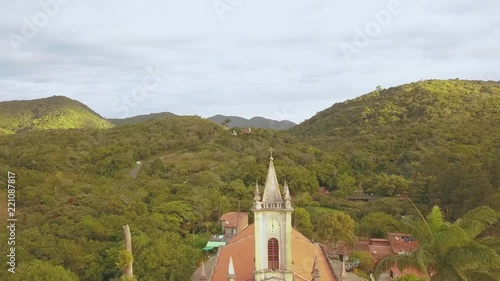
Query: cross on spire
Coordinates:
[271,149]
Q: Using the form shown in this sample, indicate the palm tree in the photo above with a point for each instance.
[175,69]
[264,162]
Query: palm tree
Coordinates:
[451,251]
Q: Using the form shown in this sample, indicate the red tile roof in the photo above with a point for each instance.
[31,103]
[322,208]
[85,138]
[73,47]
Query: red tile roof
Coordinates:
[233,218]
[398,243]
[242,249]
[394,244]
[380,252]
[362,246]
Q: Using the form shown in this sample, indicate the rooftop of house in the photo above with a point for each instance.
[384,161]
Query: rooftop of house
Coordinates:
[395,243]
[401,242]
[232,219]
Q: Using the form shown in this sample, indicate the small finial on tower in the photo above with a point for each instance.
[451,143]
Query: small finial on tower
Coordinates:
[315,271]
[231,276]
[271,150]
[257,193]
[287,192]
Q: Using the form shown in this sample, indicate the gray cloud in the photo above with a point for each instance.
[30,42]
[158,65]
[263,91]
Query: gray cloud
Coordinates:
[278,59]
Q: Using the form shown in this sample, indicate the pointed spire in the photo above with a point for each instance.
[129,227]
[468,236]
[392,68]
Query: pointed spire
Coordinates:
[287,192]
[271,189]
[315,271]
[257,193]
[230,271]
[203,273]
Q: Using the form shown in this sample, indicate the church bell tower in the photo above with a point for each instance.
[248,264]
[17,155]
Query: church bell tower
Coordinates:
[273,230]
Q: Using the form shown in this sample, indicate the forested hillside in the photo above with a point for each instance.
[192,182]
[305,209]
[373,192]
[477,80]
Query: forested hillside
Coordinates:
[75,192]
[56,112]
[140,118]
[170,179]
[230,121]
[437,140]
[254,122]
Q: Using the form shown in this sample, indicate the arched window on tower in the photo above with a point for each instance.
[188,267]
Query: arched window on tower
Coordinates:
[273,258]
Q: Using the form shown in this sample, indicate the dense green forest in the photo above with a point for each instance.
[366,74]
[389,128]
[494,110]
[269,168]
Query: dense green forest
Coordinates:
[254,122]
[140,118]
[230,121]
[437,141]
[76,190]
[56,112]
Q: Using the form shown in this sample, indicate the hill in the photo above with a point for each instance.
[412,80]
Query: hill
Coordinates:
[55,112]
[140,118]
[75,191]
[438,140]
[255,122]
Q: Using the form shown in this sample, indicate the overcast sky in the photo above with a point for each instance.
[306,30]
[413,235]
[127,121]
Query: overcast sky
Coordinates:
[281,59]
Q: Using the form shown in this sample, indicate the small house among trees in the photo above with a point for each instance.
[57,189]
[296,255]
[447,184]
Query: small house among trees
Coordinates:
[246,131]
[233,223]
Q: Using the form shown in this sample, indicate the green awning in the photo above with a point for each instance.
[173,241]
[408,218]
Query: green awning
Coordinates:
[213,244]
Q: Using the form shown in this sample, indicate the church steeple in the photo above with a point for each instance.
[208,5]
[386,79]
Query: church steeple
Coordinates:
[272,192]
[273,230]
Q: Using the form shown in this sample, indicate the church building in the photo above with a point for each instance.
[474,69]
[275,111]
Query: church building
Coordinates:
[269,249]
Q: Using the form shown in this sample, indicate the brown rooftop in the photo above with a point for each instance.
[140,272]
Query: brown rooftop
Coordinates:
[234,218]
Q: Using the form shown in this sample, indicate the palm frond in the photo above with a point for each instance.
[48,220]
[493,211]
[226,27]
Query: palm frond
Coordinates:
[490,242]
[449,236]
[422,216]
[478,220]
[481,275]
[451,251]
[447,274]
[473,256]
[418,229]
[435,219]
